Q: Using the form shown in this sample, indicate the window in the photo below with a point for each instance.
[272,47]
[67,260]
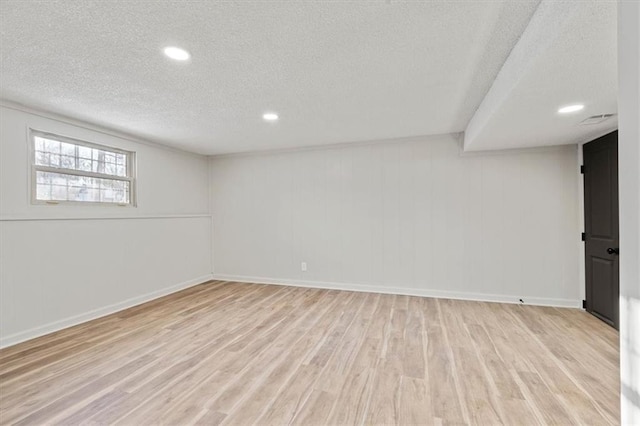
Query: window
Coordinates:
[68,170]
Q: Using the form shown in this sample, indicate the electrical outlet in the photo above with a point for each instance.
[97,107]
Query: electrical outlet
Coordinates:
[303,266]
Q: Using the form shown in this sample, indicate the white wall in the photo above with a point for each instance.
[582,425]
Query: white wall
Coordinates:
[629,166]
[411,217]
[63,264]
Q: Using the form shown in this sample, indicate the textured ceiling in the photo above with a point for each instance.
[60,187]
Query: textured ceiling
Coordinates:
[334,71]
[567,55]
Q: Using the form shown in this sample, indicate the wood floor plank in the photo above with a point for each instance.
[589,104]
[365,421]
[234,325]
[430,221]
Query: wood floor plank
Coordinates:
[44,414]
[353,399]
[476,391]
[413,362]
[236,354]
[292,397]
[280,373]
[210,418]
[346,350]
[250,378]
[316,408]
[445,399]
[414,405]
[550,407]
[382,408]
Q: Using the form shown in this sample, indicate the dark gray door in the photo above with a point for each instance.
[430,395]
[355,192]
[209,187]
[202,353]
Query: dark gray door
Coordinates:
[601,227]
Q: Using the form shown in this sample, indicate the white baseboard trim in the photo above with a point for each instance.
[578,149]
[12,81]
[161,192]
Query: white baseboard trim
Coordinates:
[440,294]
[22,336]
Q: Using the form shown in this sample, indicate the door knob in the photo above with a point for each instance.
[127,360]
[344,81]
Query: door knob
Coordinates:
[612,250]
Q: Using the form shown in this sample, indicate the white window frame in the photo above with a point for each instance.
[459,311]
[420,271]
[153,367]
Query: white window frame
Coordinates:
[131,170]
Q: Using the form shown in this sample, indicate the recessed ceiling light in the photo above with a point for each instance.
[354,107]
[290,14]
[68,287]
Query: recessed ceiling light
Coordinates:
[270,116]
[176,53]
[571,108]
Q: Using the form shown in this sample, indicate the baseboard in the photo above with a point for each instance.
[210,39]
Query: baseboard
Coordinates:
[22,336]
[480,297]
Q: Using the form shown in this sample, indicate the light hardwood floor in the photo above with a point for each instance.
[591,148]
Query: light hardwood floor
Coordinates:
[231,353]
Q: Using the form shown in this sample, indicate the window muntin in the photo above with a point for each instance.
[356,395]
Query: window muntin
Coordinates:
[68,170]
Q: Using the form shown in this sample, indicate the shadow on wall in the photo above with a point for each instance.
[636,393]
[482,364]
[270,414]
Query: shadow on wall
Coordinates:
[630,343]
